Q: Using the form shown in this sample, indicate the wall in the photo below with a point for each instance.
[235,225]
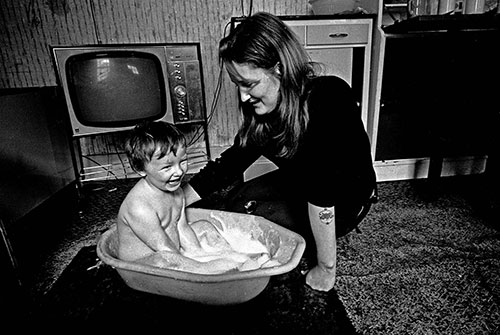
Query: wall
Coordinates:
[29,27]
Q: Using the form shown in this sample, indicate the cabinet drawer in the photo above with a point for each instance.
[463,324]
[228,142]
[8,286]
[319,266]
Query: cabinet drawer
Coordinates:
[337,34]
[300,31]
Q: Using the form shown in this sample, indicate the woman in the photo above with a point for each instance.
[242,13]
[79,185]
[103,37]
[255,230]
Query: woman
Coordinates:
[309,126]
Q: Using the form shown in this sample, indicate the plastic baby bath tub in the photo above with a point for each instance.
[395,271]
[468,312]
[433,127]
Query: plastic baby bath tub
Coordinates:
[235,287]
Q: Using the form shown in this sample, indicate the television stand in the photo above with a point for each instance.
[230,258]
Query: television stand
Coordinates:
[101,157]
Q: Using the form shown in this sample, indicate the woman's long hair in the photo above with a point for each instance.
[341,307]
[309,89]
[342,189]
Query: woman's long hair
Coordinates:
[264,41]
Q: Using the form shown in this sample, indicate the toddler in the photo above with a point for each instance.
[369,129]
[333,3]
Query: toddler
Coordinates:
[151,224]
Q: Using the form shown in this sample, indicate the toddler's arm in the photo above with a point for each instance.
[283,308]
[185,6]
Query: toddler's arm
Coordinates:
[143,222]
[187,236]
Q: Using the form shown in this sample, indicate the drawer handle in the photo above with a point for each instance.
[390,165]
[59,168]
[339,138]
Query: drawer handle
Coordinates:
[338,35]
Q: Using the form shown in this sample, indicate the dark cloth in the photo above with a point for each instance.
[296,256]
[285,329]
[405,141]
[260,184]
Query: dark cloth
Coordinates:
[332,166]
[274,199]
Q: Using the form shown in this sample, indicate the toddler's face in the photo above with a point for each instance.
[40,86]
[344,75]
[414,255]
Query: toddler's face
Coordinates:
[166,173]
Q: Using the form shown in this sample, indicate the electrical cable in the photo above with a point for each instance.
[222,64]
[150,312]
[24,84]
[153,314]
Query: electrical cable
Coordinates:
[242,2]
[250,9]
[108,153]
[196,137]
[100,165]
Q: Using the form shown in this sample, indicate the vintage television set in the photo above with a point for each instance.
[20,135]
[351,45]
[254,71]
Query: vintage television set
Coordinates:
[109,88]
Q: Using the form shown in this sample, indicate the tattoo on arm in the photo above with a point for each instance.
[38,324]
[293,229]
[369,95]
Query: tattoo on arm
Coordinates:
[326,216]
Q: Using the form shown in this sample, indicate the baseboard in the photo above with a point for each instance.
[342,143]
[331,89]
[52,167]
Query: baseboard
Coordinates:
[418,168]
[402,169]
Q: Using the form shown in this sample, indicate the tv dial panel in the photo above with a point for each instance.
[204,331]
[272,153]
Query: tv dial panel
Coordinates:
[185,82]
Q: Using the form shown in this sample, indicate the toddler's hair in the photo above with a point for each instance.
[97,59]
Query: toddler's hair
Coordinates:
[147,137]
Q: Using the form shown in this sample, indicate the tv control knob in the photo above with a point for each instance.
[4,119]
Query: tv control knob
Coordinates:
[180,91]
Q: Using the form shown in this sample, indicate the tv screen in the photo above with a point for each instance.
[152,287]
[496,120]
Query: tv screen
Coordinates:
[116,88]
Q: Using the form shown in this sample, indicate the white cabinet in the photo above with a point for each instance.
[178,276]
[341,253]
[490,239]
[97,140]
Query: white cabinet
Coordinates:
[343,47]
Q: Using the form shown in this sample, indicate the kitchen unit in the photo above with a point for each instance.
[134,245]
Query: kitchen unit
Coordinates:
[342,44]
[432,95]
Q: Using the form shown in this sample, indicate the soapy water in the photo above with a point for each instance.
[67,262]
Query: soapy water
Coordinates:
[223,248]
[231,245]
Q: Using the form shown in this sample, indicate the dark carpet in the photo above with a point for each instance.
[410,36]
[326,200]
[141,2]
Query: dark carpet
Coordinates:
[421,265]
[84,297]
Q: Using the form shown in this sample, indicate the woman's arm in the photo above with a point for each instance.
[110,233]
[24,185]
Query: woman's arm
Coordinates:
[187,236]
[144,223]
[222,172]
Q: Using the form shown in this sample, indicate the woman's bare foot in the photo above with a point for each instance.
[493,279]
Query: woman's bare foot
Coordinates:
[320,278]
